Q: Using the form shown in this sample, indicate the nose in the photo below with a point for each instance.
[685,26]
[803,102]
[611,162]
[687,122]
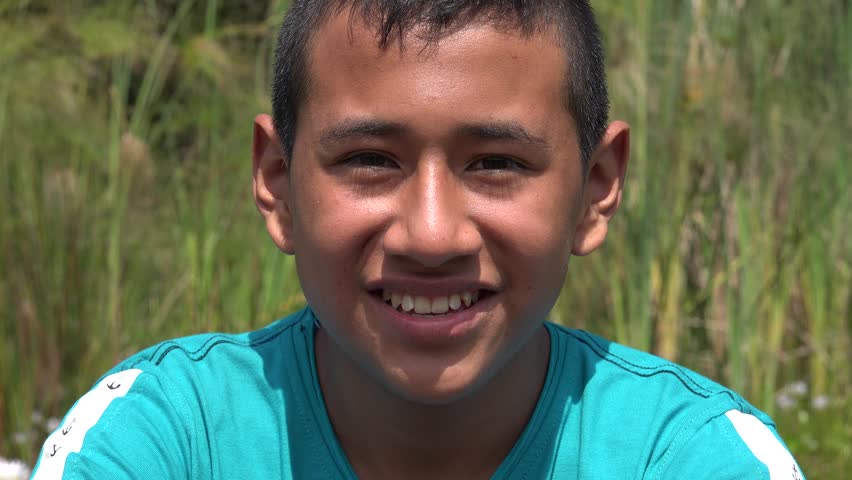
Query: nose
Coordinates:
[432,225]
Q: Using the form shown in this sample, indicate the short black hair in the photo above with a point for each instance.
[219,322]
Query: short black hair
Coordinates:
[572,21]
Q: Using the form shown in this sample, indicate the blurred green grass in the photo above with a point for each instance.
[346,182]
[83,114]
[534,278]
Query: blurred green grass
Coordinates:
[126,214]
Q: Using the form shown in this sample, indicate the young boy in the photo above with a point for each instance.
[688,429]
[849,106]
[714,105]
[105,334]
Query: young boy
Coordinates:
[432,165]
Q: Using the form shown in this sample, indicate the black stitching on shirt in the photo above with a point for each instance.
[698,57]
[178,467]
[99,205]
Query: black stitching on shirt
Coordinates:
[220,339]
[672,369]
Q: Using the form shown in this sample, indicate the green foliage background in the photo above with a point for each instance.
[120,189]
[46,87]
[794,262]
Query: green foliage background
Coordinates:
[126,216]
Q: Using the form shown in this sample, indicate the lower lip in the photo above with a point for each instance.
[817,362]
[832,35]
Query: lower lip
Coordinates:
[437,328]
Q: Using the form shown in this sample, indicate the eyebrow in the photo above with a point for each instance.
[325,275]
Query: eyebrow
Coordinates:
[353,128]
[360,128]
[503,130]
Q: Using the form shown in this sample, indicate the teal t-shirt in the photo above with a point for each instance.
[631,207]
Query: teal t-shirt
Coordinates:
[249,406]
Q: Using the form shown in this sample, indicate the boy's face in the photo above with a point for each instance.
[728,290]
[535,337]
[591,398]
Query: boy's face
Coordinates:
[434,174]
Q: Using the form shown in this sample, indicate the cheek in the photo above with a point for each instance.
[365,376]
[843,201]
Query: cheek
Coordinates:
[537,227]
[542,261]
[333,234]
[325,223]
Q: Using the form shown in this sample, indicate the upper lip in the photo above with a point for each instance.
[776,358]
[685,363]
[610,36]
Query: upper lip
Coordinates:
[429,287]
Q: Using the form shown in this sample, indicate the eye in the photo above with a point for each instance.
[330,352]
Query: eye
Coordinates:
[496,163]
[371,160]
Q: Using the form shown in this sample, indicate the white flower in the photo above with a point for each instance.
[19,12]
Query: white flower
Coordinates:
[20,438]
[37,417]
[785,401]
[797,388]
[13,470]
[52,424]
[820,402]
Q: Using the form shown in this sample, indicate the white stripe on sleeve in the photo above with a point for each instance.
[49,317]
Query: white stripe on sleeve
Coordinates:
[764,445]
[82,417]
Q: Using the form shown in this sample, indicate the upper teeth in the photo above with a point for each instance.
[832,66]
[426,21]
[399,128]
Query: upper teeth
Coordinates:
[425,305]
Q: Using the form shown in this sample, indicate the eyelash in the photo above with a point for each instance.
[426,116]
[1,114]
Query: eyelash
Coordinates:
[353,161]
[513,164]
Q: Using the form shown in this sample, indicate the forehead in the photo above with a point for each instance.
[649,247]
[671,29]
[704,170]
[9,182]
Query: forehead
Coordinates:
[479,72]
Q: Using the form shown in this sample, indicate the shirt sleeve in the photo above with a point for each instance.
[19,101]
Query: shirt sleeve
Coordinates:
[126,427]
[733,446]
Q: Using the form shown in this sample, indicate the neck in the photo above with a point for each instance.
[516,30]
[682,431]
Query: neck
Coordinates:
[387,436]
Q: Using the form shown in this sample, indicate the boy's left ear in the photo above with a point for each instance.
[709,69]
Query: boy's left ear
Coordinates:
[604,185]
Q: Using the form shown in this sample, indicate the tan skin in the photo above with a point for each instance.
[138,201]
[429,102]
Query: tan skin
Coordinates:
[434,190]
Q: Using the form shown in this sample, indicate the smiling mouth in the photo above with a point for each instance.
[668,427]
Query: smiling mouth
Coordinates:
[432,306]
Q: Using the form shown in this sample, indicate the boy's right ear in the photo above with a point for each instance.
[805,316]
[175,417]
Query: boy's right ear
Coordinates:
[271,183]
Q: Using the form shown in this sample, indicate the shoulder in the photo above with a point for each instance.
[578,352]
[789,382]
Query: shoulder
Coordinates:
[214,347]
[125,410]
[633,368]
[157,407]
[733,445]
[663,414]
[210,374]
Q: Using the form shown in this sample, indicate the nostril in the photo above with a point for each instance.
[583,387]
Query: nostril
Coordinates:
[430,245]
